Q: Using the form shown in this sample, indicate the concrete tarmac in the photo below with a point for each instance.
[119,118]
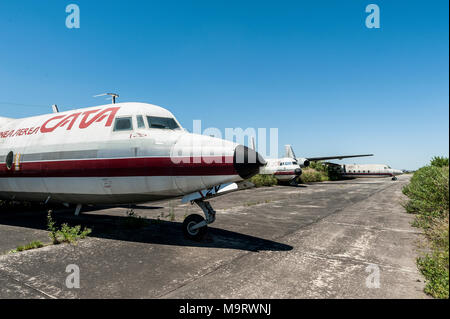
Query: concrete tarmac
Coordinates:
[345,239]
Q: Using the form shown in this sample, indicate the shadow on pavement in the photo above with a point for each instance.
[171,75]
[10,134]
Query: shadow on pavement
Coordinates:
[149,231]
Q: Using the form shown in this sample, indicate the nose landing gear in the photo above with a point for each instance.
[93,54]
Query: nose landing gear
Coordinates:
[195,226]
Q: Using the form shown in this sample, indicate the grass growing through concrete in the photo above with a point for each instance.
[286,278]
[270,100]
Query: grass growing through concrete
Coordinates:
[66,233]
[428,193]
[32,245]
[134,221]
[171,214]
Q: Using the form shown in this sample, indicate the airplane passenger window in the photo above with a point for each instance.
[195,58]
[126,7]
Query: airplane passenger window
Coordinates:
[162,123]
[140,121]
[123,124]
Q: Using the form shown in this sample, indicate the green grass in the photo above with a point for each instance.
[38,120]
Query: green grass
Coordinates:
[439,161]
[310,175]
[263,180]
[428,193]
[66,233]
[32,245]
[320,172]
[434,265]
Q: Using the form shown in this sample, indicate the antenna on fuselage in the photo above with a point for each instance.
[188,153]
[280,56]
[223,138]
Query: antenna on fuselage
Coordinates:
[55,108]
[113,96]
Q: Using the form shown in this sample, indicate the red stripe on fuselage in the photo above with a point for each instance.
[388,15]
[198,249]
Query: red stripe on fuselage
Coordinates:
[150,166]
[284,173]
[365,174]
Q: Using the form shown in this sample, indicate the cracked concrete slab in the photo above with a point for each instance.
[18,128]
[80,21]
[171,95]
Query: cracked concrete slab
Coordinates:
[316,241]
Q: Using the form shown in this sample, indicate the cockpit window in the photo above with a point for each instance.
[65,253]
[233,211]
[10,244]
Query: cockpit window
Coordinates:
[123,124]
[162,123]
[140,121]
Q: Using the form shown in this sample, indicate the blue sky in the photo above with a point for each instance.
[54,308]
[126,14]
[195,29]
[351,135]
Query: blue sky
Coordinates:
[311,69]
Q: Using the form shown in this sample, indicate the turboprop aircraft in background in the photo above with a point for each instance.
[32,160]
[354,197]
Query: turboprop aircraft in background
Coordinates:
[288,168]
[119,153]
[367,170]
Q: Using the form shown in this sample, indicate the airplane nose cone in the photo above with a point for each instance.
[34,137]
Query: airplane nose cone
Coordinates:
[247,161]
[298,171]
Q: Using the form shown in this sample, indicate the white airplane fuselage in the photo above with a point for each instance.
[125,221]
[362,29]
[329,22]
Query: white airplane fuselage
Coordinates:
[368,170]
[288,168]
[283,169]
[92,156]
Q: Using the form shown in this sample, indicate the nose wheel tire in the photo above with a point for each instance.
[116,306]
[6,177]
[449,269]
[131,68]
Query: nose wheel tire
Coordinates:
[189,223]
[394,178]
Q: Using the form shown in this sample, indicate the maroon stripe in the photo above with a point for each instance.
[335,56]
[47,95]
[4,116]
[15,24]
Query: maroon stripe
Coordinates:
[155,166]
[386,174]
[285,173]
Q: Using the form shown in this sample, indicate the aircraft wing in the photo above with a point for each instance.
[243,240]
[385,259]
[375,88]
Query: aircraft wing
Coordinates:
[332,164]
[315,159]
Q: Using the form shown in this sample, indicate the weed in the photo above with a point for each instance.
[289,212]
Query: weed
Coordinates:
[428,193]
[310,175]
[51,226]
[263,180]
[32,245]
[65,234]
[171,214]
[133,221]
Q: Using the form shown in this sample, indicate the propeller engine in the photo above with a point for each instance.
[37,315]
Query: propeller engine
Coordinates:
[303,162]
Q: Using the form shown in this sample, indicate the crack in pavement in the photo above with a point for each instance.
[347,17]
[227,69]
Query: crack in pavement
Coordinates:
[278,238]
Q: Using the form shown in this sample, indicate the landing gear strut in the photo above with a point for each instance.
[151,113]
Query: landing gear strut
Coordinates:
[78,209]
[195,226]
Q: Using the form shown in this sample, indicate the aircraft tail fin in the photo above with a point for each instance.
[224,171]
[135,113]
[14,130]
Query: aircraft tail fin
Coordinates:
[289,151]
